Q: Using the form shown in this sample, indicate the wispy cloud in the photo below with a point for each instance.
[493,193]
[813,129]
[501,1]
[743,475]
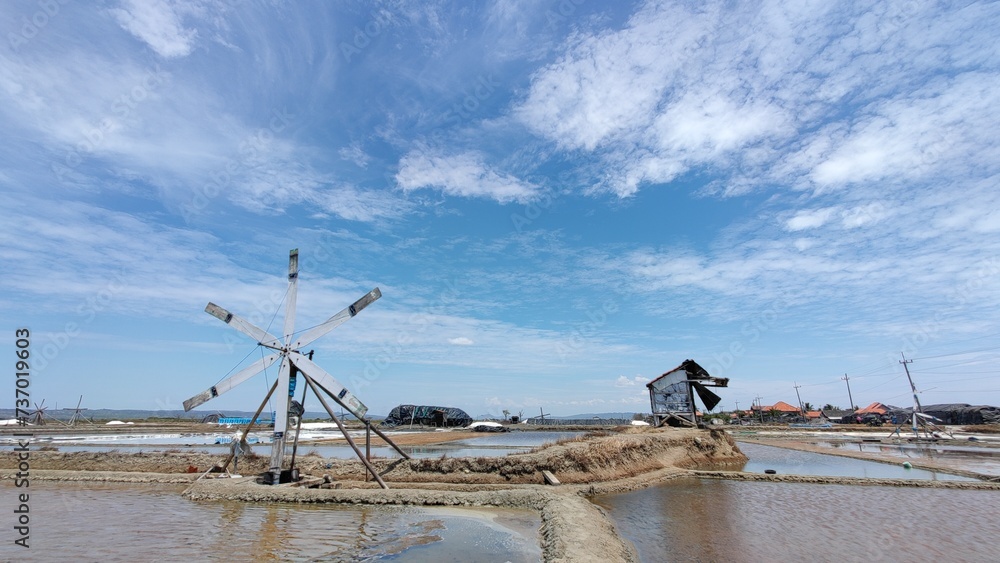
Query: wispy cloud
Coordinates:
[463,175]
[159,24]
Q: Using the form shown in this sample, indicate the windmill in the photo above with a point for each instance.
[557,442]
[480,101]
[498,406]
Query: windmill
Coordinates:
[38,417]
[293,363]
[77,414]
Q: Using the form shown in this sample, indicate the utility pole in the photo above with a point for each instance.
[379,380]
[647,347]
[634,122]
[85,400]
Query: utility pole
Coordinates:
[760,409]
[739,417]
[916,400]
[849,397]
[802,411]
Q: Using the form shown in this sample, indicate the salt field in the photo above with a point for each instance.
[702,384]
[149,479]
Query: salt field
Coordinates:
[712,520]
[154,522]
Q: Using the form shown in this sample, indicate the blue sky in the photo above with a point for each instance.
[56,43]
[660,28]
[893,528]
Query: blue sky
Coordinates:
[558,200]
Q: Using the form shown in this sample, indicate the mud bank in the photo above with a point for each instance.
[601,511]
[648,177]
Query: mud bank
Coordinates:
[573,529]
[615,456]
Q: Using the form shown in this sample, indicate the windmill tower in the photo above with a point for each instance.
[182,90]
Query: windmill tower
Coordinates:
[38,417]
[77,414]
[294,363]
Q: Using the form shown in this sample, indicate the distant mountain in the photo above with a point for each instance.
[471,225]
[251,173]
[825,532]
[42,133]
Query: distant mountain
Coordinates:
[617,415]
[585,416]
[137,414]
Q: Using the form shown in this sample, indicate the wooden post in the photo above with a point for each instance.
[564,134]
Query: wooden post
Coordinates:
[253,421]
[298,427]
[343,430]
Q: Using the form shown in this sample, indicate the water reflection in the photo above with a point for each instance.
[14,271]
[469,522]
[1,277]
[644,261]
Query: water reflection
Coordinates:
[709,520]
[117,522]
[794,462]
[980,459]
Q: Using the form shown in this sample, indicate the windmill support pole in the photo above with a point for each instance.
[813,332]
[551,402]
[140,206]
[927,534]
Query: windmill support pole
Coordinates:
[298,427]
[260,409]
[694,411]
[390,442]
[343,430]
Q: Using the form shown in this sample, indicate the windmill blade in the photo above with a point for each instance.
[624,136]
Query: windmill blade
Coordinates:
[709,398]
[246,327]
[338,319]
[333,387]
[227,384]
[293,288]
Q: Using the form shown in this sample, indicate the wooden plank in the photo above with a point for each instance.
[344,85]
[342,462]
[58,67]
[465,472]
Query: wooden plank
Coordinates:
[550,479]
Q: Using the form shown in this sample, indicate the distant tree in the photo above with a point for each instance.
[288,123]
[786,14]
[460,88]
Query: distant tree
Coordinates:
[829,407]
[638,416]
[808,407]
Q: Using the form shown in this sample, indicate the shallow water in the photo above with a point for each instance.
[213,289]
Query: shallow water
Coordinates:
[793,462]
[979,459]
[117,522]
[711,520]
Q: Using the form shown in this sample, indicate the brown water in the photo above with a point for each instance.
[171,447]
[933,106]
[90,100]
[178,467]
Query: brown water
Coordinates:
[116,522]
[710,520]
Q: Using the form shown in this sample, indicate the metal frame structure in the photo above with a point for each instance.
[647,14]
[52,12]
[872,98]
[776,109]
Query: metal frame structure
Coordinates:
[671,395]
[294,363]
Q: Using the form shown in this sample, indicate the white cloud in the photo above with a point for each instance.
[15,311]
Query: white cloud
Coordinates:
[623,381]
[461,341]
[809,219]
[462,175]
[157,23]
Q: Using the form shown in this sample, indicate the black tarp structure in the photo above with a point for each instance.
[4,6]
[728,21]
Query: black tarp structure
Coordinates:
[427,416]
[955,413]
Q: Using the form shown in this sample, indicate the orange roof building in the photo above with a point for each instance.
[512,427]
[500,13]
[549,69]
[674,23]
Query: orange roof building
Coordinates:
[874,408]
[780,406]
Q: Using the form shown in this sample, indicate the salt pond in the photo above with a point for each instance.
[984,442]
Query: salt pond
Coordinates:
[118,522]
[711,520]
[786,461]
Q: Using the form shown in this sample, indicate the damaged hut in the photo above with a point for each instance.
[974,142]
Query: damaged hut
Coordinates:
[672,394]
[423,415]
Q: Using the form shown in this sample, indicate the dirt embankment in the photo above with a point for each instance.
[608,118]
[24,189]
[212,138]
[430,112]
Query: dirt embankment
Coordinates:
[618,455]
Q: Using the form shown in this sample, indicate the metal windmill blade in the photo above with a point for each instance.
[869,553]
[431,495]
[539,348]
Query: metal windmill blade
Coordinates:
[227,384]
[291,362]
